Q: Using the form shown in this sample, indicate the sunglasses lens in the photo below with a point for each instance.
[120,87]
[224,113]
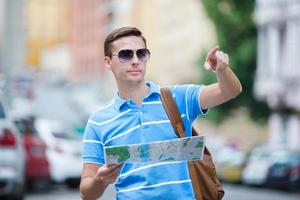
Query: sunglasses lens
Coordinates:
[143,54]
[125,55]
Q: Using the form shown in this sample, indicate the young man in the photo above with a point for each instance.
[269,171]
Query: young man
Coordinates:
[136,115]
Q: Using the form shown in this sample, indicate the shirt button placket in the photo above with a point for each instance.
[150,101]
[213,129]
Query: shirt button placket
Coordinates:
[141,117]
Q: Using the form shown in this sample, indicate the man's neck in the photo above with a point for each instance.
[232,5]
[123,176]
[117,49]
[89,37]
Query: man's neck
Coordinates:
[135,92]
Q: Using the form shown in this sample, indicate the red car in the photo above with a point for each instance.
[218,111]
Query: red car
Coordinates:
[37,166]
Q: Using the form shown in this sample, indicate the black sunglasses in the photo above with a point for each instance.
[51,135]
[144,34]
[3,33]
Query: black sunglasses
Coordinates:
[125,55]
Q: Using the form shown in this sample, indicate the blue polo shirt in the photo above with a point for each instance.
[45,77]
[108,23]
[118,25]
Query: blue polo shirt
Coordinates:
[121,122]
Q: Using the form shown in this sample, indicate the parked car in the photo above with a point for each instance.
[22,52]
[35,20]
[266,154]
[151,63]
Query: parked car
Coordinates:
[230,163]
[63,152]
[284,172]
[257,166]
[37,166]
[12,159]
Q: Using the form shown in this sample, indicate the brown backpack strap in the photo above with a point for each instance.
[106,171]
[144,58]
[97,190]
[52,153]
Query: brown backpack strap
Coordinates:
[172,111]
[178,126]
[195,183]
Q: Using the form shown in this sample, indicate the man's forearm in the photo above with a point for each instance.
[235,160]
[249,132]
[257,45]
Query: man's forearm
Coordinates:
[91,189]
[229,83]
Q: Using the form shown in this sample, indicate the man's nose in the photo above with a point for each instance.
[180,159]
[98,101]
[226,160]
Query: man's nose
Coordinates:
[135,59]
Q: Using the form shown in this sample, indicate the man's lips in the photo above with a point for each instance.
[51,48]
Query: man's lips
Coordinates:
[134,71]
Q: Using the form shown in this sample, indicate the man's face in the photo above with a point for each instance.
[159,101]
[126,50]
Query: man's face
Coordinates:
[131,71]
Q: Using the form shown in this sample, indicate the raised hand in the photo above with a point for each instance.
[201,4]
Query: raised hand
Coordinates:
[216,60]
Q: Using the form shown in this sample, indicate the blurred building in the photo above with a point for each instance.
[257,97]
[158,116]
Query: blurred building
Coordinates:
[12,34]
[66,36]
[278,75]
[2,18]
[47,23]
[177,32]
[90,20]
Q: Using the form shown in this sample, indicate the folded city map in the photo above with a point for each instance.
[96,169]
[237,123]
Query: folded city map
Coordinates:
[181,149]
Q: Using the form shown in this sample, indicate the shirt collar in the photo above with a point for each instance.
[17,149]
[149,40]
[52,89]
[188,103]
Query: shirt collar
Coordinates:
[153,89]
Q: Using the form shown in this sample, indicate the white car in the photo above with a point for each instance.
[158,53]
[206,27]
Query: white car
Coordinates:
[64,151]
[12,157]
[230,162]
[257,167]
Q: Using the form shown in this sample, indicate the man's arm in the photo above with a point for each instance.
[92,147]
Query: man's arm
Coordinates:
[228,85]
[95,179]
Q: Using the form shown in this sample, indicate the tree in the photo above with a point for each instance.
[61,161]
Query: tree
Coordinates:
[236,35]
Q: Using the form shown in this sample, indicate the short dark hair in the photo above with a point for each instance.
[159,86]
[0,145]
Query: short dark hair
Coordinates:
[119,33]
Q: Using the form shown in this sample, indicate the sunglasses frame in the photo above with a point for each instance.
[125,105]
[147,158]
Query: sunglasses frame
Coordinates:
[134,52]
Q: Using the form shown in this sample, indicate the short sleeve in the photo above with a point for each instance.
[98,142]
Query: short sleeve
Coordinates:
[92,146]
[187,98]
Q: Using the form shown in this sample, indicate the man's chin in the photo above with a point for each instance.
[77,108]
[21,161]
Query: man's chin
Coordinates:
[135,80]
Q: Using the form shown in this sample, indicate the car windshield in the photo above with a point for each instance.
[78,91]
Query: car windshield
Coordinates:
[260,154]
[64,135]
[284,157]
[2,114]
[25,126]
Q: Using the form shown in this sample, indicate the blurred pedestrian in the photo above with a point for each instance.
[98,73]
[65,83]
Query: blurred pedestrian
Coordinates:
[136,115]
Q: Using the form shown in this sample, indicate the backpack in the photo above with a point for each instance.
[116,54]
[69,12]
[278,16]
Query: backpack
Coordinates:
[205,182]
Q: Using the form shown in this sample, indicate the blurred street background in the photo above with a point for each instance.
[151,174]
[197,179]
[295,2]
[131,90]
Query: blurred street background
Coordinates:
[52,77]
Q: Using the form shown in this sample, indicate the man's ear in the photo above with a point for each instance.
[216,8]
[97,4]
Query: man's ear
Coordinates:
[107,62]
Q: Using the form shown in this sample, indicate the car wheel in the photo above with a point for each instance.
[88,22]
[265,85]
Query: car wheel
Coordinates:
[73,183]
[20,195]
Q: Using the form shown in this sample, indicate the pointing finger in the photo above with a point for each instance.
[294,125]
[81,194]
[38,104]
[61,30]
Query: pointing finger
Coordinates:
[212,52]
[210,60]
[211,55]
